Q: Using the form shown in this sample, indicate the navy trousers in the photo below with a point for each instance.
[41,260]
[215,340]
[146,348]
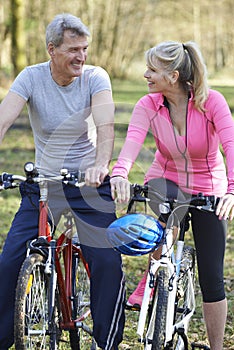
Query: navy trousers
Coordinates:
[94,210]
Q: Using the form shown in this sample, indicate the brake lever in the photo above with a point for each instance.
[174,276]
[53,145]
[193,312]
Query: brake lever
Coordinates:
[139,198]
[8,184]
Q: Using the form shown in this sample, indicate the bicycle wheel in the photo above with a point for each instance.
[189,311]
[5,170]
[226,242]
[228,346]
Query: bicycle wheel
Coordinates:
[81,300]
[32,329]
[157,313]
[185,300]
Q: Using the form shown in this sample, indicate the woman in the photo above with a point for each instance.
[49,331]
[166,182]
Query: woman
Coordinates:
[188,121]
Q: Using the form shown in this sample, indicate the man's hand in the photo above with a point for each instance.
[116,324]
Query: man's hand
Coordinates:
[120,189]
[95,175]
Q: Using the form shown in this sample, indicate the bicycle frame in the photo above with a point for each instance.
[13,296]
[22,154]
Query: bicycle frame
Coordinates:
[65,281]
[63,245]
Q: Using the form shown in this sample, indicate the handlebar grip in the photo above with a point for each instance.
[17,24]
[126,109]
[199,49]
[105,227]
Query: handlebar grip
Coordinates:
[6,181]
[5,177]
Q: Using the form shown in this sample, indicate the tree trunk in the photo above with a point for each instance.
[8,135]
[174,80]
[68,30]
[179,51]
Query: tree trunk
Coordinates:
[18,56]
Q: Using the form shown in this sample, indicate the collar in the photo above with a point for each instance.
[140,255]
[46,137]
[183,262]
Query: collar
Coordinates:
[166,103]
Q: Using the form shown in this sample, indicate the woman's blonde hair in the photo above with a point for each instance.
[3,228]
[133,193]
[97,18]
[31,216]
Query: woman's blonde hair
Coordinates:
[188,61]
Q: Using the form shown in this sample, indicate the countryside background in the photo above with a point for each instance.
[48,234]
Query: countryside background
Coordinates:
[121,31]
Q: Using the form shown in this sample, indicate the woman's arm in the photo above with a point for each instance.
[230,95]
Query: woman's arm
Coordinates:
[136,134]
[224,126]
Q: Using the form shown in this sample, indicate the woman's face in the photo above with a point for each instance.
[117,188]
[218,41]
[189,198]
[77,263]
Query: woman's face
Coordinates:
[156,80]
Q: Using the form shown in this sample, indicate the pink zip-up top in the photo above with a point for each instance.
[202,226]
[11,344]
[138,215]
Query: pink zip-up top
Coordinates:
[193,161]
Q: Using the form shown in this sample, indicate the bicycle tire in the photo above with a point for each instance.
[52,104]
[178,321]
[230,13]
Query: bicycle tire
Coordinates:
[157,313]
[183,304]
[81,299]
[31,329]
[184,299]
[161,310]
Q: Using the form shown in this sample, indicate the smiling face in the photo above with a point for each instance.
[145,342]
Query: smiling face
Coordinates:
[156,78]
[67,60]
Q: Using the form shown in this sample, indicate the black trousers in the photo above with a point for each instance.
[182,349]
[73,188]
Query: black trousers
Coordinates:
[209,236]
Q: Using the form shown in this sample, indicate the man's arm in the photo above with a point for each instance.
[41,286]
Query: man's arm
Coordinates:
[10,109]
[103,115]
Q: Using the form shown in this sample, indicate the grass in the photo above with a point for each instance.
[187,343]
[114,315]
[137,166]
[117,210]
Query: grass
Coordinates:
[18,148]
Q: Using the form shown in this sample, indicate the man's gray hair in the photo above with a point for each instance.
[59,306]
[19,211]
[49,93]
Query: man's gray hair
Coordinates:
[62,22]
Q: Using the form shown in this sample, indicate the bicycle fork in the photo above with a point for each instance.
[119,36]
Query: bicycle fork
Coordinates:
[164,261]
[154,266]
[50,271]
[51,274]
[180,327]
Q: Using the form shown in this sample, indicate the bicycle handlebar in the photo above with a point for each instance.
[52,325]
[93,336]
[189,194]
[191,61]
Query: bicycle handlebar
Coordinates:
[9,181]
[140,192]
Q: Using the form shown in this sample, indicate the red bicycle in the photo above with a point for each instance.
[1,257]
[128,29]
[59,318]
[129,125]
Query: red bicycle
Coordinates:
[52,294]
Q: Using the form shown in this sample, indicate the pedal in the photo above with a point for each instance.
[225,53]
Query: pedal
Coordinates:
[94,345]
[135,307]
[199,346]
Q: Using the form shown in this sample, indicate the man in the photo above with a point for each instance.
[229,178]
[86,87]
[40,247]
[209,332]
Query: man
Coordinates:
[71,112]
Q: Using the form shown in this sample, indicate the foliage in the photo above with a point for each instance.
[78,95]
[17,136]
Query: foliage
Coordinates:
[121,30]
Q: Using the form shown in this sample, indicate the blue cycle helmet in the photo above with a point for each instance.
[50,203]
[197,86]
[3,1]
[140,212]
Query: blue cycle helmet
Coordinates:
[135,234]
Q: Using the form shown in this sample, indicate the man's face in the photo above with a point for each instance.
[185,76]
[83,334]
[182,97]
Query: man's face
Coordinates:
[68,58]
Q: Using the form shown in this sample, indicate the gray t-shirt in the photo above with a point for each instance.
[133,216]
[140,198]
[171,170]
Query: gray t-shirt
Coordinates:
[60,116]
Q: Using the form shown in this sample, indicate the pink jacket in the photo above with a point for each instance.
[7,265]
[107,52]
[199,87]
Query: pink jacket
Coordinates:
[193,161]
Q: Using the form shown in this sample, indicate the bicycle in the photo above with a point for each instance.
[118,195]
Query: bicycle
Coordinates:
[52,293]
[166,312]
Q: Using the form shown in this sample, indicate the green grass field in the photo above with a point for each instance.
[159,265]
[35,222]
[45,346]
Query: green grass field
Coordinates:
[18,148]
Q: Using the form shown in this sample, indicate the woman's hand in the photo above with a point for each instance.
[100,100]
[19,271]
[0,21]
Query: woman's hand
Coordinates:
[225,207]
[120,189]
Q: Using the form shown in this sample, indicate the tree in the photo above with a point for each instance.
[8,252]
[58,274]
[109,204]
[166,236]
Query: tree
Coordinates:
[17,36]
[121,30]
